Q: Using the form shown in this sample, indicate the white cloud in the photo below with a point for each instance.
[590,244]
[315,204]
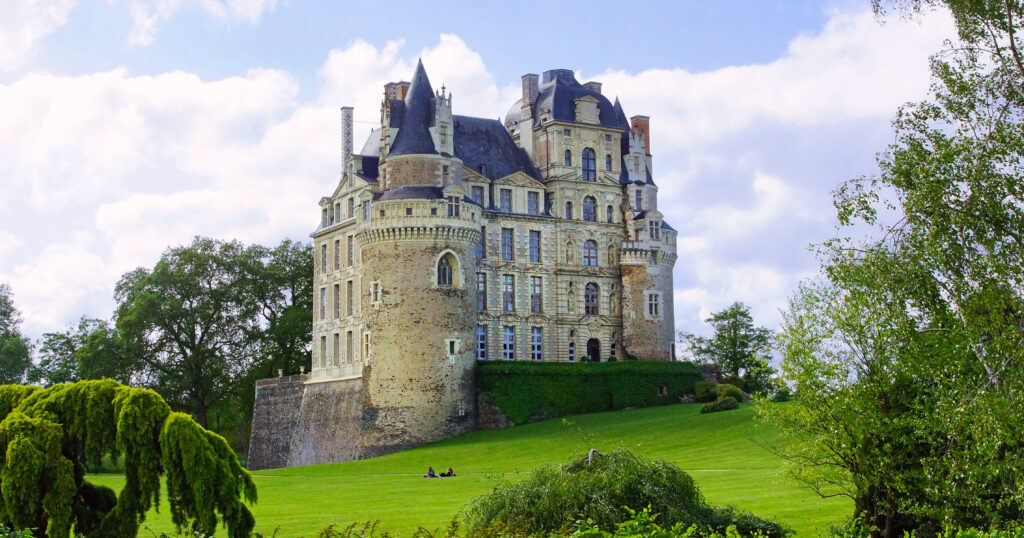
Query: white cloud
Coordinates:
[148,15]
[23,23]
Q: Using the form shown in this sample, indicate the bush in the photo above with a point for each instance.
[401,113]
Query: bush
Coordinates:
[524,389]
[602,490]
[737,382]
[705,391]
[730,391]
[725,403]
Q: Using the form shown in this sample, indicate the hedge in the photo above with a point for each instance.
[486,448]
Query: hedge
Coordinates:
[522,390]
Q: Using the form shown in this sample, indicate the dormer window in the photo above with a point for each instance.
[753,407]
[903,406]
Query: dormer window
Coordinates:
[589,165]
[568,158]
[505,200]
[655,229]
[639,200]
[351,207]
[453,206]
[566,132]
[444,174]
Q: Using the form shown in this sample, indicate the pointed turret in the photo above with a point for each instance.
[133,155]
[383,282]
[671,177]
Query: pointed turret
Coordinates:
[414,132]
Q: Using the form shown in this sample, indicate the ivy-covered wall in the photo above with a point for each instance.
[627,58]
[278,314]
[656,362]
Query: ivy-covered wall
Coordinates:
[521,390]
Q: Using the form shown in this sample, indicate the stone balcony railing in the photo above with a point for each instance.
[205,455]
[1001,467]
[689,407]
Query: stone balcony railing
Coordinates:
[331,373]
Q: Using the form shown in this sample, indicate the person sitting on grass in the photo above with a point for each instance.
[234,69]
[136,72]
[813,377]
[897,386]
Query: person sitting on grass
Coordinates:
[449,472]
[430,473]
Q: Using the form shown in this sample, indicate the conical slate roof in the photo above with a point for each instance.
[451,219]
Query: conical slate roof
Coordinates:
[414,131]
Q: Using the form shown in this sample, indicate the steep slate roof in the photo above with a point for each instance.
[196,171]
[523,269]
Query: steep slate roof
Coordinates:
[412,192]
[558,92]
[417,117]
[372,146]
[480,141]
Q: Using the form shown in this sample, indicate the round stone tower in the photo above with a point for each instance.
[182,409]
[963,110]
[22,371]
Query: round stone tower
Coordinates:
[419,265]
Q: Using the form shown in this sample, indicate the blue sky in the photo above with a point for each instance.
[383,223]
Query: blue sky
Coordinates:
[127,126]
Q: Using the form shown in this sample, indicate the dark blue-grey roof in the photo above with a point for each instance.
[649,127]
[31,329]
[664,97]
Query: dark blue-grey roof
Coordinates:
[370,168]
[372,145]
[558,92]
[665,226]
[417,118]
[486,147]
[420,192]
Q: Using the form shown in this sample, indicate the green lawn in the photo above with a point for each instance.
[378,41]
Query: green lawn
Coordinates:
[722,451]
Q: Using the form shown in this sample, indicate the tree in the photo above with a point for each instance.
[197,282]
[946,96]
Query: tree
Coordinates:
[906,353]
[90,349]
[15,349]
[185,322]
[737,346]
[48,435]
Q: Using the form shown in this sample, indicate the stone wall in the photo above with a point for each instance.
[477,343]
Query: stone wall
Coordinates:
[275,414]
[327,428]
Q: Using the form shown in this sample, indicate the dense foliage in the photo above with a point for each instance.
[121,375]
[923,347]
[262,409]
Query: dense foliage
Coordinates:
[603,490]
[48,435]
[906,354]
[737,347]
[725,403]
[15,349]
[522,390]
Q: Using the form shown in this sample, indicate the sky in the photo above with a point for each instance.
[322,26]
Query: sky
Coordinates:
[128,126]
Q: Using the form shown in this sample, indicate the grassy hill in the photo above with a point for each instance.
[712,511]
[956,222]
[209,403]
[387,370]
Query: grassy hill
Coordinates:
[722,451]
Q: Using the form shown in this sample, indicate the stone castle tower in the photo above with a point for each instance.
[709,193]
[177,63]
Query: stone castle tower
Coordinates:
[452,239]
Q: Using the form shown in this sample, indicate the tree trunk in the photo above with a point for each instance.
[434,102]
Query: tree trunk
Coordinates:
[201,413]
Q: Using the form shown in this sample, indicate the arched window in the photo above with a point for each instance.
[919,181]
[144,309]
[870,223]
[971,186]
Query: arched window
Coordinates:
[568,158]
[590,209]
[590,295]
[608,213]
[568,210]
[589,252]
[444,271]
[607,162]
[589,165]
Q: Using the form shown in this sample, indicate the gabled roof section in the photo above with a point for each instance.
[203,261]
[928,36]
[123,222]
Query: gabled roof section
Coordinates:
[372,146]
[558,92]
[417,118]
[486,147]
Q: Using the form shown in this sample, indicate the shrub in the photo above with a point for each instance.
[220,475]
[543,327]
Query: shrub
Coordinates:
[725,403]
[737,382]
[602,490]
[730,391]
[705,391]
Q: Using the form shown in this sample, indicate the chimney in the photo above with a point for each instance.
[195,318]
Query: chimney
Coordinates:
[401,89]
[593,86]
[642,125]
[346,136]
[529,89]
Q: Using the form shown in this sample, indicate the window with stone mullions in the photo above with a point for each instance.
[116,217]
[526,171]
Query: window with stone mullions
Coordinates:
[590,295]
[481,292]
[653,304]
[508,344]
[481,247]
[337,254]
[590,252]
[536,343]
[534,246]
[590,209]
[508,293]
[533,203]
[351,251]
[589,165]
[536,295]
[507,244]
[453,206]
[505,200]
[481,342]
[478,194]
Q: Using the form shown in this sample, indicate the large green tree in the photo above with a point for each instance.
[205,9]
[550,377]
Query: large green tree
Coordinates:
[47,436]
[15,349]
[736,347]
[90,349]
[906,354]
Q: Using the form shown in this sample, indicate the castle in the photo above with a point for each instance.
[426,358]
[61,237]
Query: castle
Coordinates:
[451,239]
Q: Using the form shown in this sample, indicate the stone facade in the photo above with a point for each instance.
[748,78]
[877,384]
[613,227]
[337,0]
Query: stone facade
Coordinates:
[452,239]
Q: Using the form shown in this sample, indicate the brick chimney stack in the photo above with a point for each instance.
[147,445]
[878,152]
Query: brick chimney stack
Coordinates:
[642,125]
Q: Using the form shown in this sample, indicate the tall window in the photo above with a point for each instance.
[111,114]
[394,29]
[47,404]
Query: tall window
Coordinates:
[453,206]
[654,304]
[608,214]
[478,194]
[536,343]
[655,229]
[507,252]
[508,343]
[323,303]
[337,349]
[536,296]
[590,299]
[611,352]
[568,158]
[505,200]
[481,342]
[639,200]
[351,207]
[337,301]
[533,202]
[444,169]
[607,162]
[366,210]
[366,345]
[375,293]
[590,209]
[323,258]
[568,210]
[589,165]
[444,271]
[481,292]
[350,251]
[572,351]
[534,245]
[590,252]
[349,355]
[337,254]
[508,293]
[348,297]
[323,351]
[481,247]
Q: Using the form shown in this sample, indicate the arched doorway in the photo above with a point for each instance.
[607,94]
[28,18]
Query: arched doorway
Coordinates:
[594,349]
